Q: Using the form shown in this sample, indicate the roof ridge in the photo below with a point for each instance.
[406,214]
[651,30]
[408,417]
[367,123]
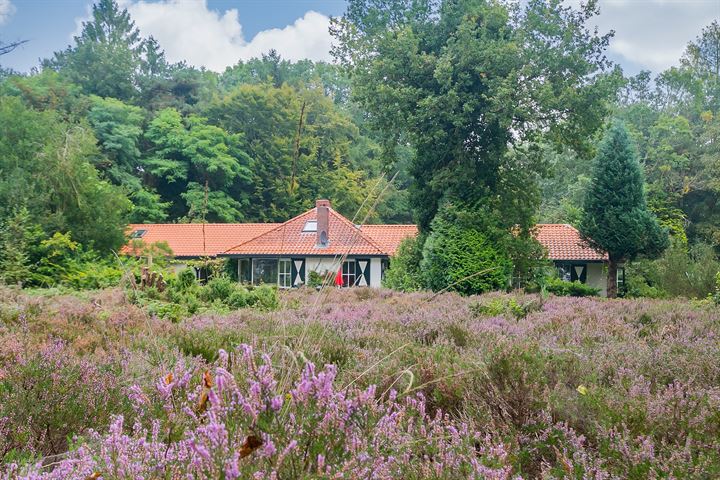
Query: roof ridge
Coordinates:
[359,230]
[278,226]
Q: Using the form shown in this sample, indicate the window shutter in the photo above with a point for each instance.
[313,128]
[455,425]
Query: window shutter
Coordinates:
[579,272]
[298,271]
[362,272]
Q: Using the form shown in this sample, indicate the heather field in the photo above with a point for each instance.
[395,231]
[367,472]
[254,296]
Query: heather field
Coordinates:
[359,384]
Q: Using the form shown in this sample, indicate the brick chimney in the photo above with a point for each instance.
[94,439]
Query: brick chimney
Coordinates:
[323,222]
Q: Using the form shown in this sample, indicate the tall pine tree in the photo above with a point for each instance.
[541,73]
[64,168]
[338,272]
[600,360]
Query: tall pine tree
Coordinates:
[616,218]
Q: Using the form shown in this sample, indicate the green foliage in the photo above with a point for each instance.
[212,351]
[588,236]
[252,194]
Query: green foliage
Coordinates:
[319,279]
[680,271]
[404,272]
[106,57]
[187,155]
[184,296]
[428,70]
[15,238]
[63,261]
[324,159]
[46,168]
[460,255]
[615,214]
[562,288]
[505,306]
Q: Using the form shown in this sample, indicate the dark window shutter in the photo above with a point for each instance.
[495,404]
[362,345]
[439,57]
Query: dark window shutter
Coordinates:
[362,272]
[297,269]
[579,272]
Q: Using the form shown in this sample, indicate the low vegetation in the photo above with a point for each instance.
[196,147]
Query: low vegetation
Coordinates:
[359,383]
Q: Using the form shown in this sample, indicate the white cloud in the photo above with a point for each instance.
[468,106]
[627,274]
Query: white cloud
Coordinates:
[653,34]
[189,30]
[7,9]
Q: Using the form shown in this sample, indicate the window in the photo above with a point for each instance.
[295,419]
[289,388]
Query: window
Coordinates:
[264,270]
[244,271]
[564,271]
[384,265]
[572,272]
[138,233]
[284,273]
[348,273]
[310,226]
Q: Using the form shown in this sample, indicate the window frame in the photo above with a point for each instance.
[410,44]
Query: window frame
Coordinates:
[241,270]
[253,264]
[283,276]
[347,275]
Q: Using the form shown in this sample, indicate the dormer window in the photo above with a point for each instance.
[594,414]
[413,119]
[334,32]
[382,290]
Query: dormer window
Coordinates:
[310,226]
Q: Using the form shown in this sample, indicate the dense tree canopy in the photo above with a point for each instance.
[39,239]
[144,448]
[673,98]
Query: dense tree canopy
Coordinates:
[466,81]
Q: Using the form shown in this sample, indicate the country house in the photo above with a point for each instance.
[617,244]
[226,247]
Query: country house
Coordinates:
[287,253]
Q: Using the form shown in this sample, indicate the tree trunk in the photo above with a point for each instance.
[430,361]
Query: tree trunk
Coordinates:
[612,278]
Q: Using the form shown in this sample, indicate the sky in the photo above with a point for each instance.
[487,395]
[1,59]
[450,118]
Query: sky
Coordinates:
[649,34]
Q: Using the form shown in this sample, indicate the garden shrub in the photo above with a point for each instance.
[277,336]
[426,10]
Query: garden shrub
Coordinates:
[562,288]
[455,253]
[184,297]
[505,306]
[404,272]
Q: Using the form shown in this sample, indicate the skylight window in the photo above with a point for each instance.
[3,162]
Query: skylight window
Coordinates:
[138,233]
[310,226]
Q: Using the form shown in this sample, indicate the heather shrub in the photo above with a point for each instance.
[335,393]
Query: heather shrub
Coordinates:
[240,420]
[622,389]
[47,397]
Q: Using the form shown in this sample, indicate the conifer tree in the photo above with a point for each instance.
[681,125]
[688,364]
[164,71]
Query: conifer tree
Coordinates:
[616,218]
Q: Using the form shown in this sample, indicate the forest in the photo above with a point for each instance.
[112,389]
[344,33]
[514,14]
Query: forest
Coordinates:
[107,132]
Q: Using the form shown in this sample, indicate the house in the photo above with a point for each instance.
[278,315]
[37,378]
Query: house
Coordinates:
[572,257]
[286,253]
[317,240]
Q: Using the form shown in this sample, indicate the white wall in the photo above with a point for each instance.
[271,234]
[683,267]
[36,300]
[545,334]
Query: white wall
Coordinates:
[597,277]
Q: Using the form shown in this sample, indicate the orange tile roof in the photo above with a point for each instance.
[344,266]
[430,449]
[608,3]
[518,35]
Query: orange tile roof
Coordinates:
[186,239]
[289,239]
[564,242]
[389,237]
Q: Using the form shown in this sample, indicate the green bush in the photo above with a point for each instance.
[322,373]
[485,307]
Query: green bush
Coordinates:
[404,272]
[681,271]
[457,251]
[184,297]
[562,288]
